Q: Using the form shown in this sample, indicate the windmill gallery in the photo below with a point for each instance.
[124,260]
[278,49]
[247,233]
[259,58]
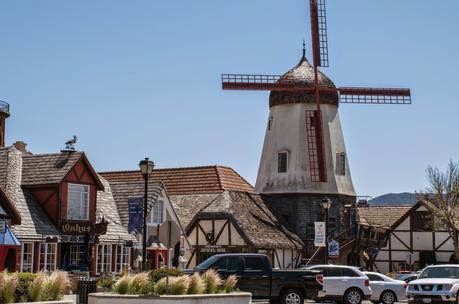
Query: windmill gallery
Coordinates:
[303,178]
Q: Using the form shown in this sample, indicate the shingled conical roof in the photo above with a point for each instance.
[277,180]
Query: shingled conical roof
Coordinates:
[303,74]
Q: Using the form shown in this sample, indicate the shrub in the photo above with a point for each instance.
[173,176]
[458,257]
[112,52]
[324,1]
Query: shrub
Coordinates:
[213,281]
[197,285]
[179,286]
[24,281]
[55,286]
[122,285]
[161,287]
[230,284]
[34,290]
[140,284]
[106,282]
[10,282]
[158,274]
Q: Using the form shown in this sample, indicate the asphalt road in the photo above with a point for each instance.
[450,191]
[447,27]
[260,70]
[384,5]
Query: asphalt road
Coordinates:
[310,301]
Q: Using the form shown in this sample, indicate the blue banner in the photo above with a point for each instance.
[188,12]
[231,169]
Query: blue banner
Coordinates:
[135,214]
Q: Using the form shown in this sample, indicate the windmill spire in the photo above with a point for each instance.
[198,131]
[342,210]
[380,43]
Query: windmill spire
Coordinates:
[304,48]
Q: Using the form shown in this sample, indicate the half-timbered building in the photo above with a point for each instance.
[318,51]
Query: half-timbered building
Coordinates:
[68,215]
[415,240]
[221,213]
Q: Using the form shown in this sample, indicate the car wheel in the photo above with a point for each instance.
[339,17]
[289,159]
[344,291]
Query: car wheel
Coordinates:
[292,296]
[353,296]
[388,297]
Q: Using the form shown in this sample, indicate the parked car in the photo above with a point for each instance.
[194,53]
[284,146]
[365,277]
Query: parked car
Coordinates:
[343,284]
[407,277]
[435,284]
[384,289]
[255,275]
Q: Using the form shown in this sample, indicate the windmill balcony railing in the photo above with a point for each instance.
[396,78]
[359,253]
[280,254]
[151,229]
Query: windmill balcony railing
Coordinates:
[247,78]
[4,107]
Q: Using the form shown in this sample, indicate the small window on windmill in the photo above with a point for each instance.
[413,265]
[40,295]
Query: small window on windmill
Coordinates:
[341,163]
[270,122]
[282,161]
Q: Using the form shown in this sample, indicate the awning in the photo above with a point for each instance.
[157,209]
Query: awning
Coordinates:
[8,238]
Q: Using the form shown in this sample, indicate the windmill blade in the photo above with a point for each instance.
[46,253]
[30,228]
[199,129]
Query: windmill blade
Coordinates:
[261,83]
[374,95]
[319,32]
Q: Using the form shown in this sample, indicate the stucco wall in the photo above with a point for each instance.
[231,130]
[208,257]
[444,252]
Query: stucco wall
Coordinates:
[235,298]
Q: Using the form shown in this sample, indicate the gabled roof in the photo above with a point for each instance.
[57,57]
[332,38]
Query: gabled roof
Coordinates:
[249,214]
[46,169]
[189,180]
[382,216]
[123,190]
[8,210]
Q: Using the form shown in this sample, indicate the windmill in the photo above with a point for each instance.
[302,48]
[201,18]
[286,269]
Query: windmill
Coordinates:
[316,89]
[304,159]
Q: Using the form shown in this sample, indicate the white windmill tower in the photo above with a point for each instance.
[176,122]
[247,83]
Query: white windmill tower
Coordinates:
[304,157]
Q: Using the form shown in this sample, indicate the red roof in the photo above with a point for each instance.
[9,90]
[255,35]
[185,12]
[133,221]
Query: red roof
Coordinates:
[189,180]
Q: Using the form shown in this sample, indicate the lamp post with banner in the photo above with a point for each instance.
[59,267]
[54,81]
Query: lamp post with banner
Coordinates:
[146,167]
[326,204]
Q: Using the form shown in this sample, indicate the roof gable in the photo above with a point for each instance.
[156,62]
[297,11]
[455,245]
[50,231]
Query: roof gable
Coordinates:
[8,210]
[189,180]
[46,169]
[383,216]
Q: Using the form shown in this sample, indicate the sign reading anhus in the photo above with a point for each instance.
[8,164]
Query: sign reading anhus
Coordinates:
[77,228]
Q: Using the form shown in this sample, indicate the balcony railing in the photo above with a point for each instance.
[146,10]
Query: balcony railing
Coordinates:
[4,107]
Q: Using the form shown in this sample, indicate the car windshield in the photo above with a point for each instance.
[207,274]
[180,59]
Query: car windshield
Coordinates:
[207,263]
[440,272]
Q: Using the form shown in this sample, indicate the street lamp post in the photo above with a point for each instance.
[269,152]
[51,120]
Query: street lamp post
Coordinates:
[146,167]
[326,204]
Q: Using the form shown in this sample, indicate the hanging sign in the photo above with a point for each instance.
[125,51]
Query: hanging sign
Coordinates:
[74,228]
[135,214]
[333,249]
[319,236]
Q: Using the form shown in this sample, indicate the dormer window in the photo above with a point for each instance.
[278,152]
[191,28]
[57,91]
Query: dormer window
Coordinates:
[282,162]
[78,202]
[157,213]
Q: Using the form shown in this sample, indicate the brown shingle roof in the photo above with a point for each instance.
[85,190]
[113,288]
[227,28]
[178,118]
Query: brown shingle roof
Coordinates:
[249,214]
[382,216]
[190,180]
[43,169]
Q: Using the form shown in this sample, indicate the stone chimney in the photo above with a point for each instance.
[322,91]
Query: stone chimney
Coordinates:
[22,147]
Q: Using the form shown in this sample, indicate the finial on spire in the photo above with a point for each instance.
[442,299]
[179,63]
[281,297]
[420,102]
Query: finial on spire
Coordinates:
[304,48]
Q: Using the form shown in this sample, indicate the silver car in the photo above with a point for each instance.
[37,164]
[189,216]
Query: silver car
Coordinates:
[386,290]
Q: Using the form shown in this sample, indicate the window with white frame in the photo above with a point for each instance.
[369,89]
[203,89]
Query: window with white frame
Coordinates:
[48,254]
[157,212]
[75,255]
[104,259]
[78,202]
[123,258]
[27,257]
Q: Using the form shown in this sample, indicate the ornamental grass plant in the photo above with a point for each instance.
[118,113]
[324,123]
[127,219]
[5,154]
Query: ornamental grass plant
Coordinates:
[229,285]
[179,285]
[161,287]
[122,284]
[55,286]
[213,281]
[8,287]
[140,284]
[35,288]
[197,284]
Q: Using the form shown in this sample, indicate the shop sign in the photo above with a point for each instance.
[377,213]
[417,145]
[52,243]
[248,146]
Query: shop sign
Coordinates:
[2,227]
[333,249]
[77,228]
[213,248]
[319,237]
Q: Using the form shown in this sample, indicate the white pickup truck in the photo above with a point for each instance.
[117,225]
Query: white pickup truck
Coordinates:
[435,284]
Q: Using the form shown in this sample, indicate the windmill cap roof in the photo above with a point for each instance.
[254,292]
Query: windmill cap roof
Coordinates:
[303,74]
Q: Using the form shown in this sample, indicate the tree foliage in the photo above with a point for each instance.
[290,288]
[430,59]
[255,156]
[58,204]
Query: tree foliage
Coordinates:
[442,198]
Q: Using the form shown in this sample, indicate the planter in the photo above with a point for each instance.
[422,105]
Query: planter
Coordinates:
[63,301]
[228,298]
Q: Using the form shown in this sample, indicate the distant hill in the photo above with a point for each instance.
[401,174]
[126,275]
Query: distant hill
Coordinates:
[394,199]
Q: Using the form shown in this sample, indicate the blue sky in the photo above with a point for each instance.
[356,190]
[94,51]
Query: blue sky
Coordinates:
[142,78]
